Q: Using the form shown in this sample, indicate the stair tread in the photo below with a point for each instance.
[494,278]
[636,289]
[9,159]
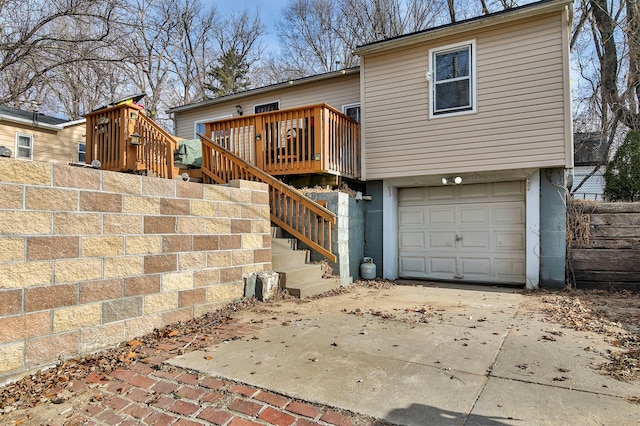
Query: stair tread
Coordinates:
[312,288]
[309,284]
[301,267]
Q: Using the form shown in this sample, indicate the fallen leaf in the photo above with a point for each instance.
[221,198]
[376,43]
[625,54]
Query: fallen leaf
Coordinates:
[208,357]
[134,343]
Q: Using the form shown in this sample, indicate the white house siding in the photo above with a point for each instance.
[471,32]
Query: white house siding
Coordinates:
[522,107]
[336,92]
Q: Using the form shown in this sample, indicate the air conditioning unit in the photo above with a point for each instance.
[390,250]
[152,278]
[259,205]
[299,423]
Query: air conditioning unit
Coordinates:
[5,152]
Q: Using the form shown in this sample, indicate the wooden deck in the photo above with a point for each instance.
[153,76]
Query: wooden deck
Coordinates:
[124,139]
[315,139]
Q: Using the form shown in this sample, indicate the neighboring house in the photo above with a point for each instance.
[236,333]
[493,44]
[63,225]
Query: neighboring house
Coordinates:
[466,135]
[35,136]
[590,155]
[339,89]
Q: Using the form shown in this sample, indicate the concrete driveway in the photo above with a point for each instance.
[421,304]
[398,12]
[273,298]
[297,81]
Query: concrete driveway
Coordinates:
[422,355]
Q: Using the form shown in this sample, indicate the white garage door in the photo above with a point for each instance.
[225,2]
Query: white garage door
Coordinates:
[474,233]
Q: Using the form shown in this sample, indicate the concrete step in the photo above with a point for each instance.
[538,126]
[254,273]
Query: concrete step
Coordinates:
[283,244]
[289,258]
[292,275]
[313,288]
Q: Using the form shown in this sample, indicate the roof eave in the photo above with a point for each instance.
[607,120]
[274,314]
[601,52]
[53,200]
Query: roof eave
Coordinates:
[30,123]
[264,89]
[475,24]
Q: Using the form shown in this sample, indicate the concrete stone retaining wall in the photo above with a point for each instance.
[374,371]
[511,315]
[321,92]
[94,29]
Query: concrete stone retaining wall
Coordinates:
[347,238]
[91,258]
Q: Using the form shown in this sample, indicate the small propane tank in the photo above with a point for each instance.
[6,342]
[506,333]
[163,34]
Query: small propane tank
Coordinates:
[368,269]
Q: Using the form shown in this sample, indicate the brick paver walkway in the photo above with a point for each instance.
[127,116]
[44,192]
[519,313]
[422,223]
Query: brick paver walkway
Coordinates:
[151,393]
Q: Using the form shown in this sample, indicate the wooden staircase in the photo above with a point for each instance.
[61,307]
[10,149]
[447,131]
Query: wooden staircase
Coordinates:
[300,278]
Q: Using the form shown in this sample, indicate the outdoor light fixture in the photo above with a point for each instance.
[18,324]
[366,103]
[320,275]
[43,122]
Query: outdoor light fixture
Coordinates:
[457,180]
[239,109]
[134,138]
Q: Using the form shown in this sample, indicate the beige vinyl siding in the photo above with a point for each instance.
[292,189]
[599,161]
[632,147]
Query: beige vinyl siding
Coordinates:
[521,105]
[48,145]
[336,92]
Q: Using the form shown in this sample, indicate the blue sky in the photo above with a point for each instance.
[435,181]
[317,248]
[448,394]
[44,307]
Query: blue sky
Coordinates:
[269,13]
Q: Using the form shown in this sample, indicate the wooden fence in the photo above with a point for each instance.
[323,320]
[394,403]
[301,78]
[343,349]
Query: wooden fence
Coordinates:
[604,245]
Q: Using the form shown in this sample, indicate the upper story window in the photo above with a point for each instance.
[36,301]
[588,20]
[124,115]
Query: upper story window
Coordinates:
[24,146]
[453,87]
[271,106]
[352,111]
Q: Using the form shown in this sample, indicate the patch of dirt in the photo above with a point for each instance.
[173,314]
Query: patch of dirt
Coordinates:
[613,315]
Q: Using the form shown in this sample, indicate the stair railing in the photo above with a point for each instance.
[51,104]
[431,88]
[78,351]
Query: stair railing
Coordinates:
[124,139]
[291,210]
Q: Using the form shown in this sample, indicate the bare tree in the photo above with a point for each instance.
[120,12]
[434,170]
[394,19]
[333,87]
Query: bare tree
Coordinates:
[616,36]
[238,40]
[40,37]
[196,52]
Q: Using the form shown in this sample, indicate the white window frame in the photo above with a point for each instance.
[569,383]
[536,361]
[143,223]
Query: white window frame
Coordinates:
[206,120]
[473,91]
[31,138]
[82,152]
[353,105]
[264,103]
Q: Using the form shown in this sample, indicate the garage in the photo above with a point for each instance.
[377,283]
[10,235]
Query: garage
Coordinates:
[471,233]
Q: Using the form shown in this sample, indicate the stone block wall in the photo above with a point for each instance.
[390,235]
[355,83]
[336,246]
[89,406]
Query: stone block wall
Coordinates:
[347,238]
[90,258]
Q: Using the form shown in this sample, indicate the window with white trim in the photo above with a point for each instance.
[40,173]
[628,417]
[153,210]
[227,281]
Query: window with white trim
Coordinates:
[24,146]
[199,125]
[452,72]
[352,111]
[82,152]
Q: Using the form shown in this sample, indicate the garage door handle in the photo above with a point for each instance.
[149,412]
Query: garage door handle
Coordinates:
[458,237]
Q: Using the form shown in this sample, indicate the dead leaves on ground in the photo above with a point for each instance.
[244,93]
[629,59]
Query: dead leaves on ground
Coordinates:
[611,315]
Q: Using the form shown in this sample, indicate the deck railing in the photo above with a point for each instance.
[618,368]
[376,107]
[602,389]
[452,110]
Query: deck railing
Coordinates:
[312,139]
[124,139]
[290,209]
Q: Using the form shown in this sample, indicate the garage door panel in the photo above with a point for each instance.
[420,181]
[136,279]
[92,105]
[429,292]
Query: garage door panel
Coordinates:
[442,240]
[512,214]
[413,240]
[476,240]
[413,266]
[411,194]
[474,191]
[476,266]
[508,189]
[442,266]
[509,240]
[509,269]
[411,217]
[440,193]
[440,216]
[473,216]
[489,217]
